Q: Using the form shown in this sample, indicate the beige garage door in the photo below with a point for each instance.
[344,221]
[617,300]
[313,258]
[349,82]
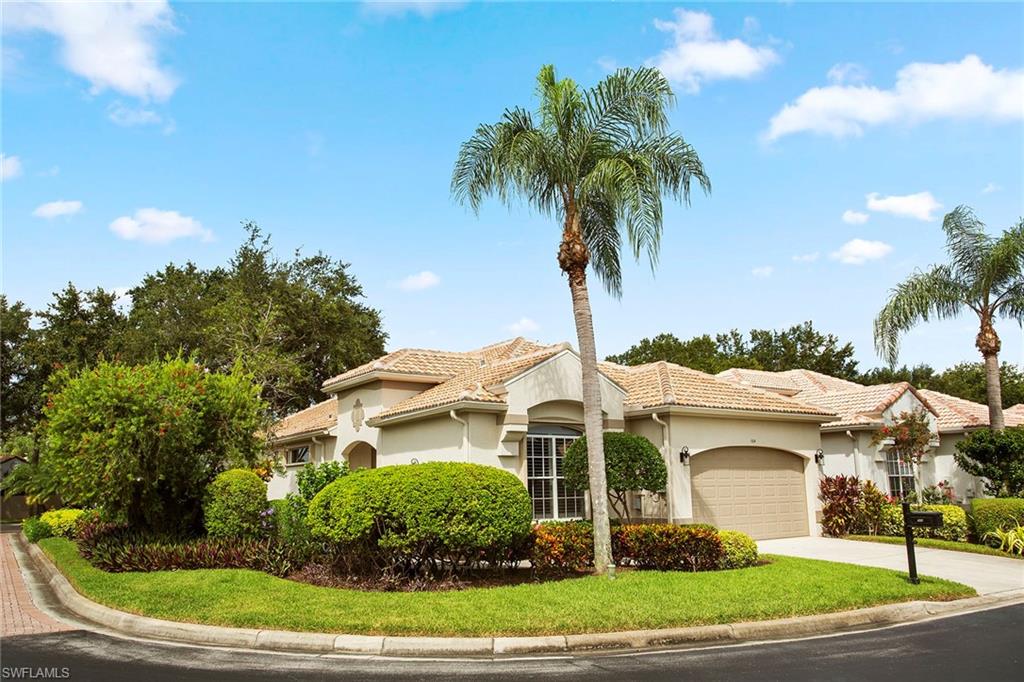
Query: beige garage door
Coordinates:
[758,491]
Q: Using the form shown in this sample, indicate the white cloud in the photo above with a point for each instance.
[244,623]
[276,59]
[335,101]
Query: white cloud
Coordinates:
[860,251]
[419,281]
[55,209]
[607,64]
[847,72]
[968,89]
[10,167]
[154,226]
[921,206]
[523,325]
[763,271]
[398,8]
[806,257]
[991,188]
[113,45]
[855,217]
[698,55]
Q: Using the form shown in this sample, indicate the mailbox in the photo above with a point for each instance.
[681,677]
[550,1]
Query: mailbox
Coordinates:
[924,519]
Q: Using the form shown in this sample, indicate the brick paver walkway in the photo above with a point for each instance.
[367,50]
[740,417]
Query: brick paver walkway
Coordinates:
[18,614]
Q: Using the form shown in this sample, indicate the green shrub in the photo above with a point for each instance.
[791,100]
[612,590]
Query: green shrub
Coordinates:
[954,522]
[996,456]
[990,515]
[667,547]
[632,463]
[235,503]
[867,518]
[313,478]
[422,519]
[36,529]
[290,528]
[1010,540]
[62,522]
[738,549]
[142,443]
[562,546]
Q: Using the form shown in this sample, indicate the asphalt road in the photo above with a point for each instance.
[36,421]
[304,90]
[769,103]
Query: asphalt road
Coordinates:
[983,646]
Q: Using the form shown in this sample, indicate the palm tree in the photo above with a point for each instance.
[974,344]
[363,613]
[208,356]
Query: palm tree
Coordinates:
[984,275]
[598,160]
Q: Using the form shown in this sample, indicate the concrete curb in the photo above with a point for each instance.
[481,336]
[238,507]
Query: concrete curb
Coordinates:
[323,643]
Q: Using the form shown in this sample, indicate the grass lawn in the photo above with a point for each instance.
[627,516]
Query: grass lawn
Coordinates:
[937,544]
[635,600]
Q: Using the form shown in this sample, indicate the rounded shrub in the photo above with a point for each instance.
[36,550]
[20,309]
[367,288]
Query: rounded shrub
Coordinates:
[739,549]
[632,463]
[423,518]
[313,478]
[667,547]
[991,514]
[562,546]
[35,529]
[63,522]
[954,522]
[235,503]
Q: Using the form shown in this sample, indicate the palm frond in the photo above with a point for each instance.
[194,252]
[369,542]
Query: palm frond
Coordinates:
[604,241]
[935,293]
[966,241]
[1005,267]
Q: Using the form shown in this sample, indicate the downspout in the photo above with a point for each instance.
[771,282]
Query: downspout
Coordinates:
[316,442]
[465,431]
[666,453]
[856,454]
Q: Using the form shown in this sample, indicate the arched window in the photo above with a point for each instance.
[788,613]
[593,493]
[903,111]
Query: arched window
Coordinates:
[545,479]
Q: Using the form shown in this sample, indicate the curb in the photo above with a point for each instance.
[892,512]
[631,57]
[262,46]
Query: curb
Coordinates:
[323,643]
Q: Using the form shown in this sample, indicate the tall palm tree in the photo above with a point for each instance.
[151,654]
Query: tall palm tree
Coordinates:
[598,160]
[984,275]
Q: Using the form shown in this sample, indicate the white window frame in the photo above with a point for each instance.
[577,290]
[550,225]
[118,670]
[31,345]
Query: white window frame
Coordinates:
[551,438]
[291,455]
[898,470]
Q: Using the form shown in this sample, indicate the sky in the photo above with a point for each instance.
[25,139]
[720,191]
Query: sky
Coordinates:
[836,138]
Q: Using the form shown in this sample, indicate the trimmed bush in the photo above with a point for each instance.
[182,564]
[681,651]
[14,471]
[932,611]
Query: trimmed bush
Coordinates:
[738,549]
[562,546]
[422,519]
[632,463]
[954,522]
[235,502]
[989,515]
[867,518]
[35,529]
[62,522]
[313,478]
[667,547]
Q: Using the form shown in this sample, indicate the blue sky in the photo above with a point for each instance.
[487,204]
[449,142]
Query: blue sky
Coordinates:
[836,137]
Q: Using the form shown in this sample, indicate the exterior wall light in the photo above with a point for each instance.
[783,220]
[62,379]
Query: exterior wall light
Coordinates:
[819,456]
[684,455]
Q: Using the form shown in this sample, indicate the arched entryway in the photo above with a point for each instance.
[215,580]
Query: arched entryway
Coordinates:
[361,455]
[759,491]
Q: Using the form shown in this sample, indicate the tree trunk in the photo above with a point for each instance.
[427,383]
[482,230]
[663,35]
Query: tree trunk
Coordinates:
[994,392]
[593,422]
[989,344]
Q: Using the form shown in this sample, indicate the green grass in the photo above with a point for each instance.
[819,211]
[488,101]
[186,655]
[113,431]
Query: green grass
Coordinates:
[951,545]
[635,600]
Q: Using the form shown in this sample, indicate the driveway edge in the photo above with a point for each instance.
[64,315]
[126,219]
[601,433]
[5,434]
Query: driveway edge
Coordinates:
[323,643]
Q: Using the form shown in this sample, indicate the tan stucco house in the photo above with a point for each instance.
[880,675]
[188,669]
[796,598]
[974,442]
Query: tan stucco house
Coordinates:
[738,456]
[846,442]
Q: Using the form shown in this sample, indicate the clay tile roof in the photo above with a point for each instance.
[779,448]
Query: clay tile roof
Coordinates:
[478,382]
[665,383]
[957,414]
[795,381]
[864,404]
[439,363]
[319,417]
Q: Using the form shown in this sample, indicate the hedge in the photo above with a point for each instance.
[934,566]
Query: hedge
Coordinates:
[954,522]
[62,522]
[988,514]
[235,503]
[667,547]
[35,529]
[423,519]
[738,549]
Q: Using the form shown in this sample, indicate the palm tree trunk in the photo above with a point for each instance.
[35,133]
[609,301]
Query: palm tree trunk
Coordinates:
[593,421]
[993,392]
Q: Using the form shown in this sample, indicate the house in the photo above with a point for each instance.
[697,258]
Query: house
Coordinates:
[846,442]
[738,456]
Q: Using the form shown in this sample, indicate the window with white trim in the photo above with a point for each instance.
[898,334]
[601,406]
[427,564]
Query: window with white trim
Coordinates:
[299,455]
[901,475]
[545,478]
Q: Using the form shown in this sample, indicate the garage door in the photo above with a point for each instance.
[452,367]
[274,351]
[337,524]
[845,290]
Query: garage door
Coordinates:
[758,491]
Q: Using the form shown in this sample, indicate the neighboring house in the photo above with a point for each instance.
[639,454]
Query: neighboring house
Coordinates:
[13,507]
[738,457]
[846,442]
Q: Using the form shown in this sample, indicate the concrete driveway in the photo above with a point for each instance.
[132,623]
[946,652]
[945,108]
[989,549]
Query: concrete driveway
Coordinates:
[986,574]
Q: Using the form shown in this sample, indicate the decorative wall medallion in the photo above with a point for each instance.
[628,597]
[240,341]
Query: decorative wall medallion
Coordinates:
[357,414]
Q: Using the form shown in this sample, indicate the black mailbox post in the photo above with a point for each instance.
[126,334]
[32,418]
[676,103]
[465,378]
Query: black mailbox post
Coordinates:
[912,520]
